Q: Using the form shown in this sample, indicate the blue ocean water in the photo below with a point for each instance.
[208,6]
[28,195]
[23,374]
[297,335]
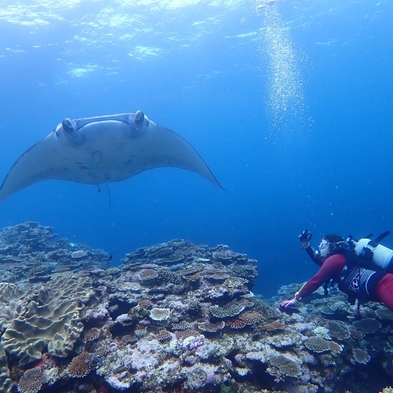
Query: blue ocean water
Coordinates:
[289,103]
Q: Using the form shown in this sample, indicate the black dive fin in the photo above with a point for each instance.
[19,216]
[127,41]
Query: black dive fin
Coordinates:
[382,236]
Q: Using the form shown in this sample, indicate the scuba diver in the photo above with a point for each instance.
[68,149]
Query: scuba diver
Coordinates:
[339,260]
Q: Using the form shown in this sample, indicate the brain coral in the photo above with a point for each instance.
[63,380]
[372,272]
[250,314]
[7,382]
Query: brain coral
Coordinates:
[31,381]
[50,320]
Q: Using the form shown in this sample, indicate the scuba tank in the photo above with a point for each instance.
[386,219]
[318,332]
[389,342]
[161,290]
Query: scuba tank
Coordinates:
[371,254]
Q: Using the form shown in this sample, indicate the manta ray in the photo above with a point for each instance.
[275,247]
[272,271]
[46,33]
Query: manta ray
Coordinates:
[101,149]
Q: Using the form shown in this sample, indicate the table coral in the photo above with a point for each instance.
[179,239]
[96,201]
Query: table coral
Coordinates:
[160,314]
[317,344]
[228,310]
[360,356]
[286,365]
[367,325]
[210,327]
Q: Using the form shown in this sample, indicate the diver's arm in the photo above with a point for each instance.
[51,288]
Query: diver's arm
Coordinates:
[330,268]
[314,255]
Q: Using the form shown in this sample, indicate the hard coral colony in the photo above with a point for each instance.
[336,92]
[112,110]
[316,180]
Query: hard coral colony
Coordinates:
[173,317]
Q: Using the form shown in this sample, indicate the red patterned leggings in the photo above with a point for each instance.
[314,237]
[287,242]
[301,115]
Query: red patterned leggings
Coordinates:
[384,291]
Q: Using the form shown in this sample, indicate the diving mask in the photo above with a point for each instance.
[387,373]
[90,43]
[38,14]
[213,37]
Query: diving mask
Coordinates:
[324,248]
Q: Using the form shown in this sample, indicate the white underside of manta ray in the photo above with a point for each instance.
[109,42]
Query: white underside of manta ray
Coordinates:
[95,150]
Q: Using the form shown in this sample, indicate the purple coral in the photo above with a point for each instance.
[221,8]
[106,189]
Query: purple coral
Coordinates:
[197,342]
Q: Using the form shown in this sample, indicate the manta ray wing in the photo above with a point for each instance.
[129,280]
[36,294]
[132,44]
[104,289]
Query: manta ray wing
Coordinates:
[165,148]
[40,162]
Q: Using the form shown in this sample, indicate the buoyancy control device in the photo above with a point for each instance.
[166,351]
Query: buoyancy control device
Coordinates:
[371,254]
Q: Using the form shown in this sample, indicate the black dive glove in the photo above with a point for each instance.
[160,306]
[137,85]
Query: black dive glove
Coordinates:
[305,238]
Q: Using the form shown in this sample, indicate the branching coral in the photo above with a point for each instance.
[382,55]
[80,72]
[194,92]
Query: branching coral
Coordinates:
[92,334]
[235,324]
[172,277]
[183,325]
[79,366]
[31,381]
[163,335]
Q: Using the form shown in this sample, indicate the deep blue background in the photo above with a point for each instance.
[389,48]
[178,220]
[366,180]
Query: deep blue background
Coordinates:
[326,166]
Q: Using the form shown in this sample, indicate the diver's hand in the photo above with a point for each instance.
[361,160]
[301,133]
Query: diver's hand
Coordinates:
[305,238]
[289,303]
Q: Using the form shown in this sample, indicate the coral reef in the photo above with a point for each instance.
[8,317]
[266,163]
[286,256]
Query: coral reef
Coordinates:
[174,317]
[28,251]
